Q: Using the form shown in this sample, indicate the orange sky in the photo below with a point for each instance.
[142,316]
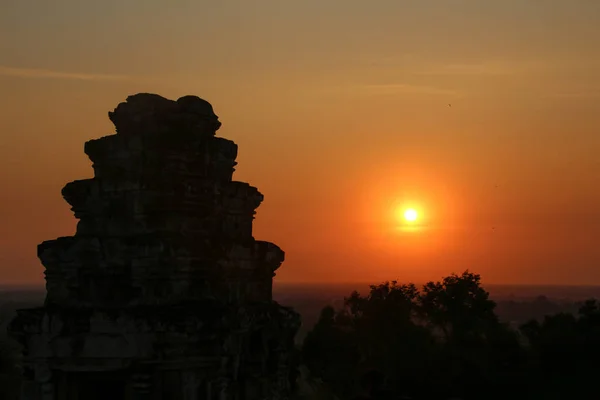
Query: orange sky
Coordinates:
[340,110]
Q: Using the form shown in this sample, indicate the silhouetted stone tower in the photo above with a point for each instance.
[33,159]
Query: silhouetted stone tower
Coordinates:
[162,293]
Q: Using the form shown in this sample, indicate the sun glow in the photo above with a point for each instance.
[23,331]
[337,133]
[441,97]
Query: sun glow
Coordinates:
[407,215]
[411,215]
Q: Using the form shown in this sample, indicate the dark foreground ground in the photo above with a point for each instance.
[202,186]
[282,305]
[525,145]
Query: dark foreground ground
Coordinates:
[515,304]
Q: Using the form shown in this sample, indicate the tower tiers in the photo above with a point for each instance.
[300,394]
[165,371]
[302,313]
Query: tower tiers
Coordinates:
[160,155]
[186,206]
[163,272]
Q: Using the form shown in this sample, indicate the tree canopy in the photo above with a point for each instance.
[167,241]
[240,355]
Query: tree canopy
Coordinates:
[445,339]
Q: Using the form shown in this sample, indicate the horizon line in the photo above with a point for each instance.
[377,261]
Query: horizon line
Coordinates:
[305,283]
[42,286]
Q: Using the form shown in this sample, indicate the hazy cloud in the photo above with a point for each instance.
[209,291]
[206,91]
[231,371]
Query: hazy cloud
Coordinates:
[383,89]
[474,69]
[42,73]
[393,88]
[501,67]
[578,94]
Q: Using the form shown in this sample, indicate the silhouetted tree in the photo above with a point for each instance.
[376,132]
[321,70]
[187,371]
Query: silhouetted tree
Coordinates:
[459,307]
[478,349]
[389,338]
[330,352]
[394,328]
[446,340]
[564,350]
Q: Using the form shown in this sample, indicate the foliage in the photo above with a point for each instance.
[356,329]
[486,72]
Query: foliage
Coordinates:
[446,340]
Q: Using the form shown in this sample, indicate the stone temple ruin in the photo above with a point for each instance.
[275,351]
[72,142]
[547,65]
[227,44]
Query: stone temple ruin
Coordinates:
[162,293]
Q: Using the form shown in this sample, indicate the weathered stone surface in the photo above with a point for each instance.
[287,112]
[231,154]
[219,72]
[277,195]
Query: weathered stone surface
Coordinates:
[147,113]
[163,280]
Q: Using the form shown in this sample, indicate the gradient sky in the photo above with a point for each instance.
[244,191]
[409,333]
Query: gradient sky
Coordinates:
[340,110]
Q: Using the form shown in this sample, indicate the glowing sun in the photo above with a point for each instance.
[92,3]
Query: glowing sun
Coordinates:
[411,215]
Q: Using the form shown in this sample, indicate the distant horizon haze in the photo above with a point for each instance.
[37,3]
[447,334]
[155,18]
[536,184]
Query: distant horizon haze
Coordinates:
[282,285]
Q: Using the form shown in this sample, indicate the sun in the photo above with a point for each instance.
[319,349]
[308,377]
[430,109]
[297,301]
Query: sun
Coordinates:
[411,215]
[408,216]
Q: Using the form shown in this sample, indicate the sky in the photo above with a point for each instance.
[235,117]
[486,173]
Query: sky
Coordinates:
[482,115]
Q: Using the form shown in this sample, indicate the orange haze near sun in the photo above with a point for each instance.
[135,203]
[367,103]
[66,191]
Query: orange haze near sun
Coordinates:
[482,116]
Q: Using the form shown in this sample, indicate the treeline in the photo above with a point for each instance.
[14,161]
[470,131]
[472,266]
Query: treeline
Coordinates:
[445,340]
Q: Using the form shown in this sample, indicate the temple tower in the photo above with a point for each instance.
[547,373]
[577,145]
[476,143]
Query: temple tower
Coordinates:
[163,292]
